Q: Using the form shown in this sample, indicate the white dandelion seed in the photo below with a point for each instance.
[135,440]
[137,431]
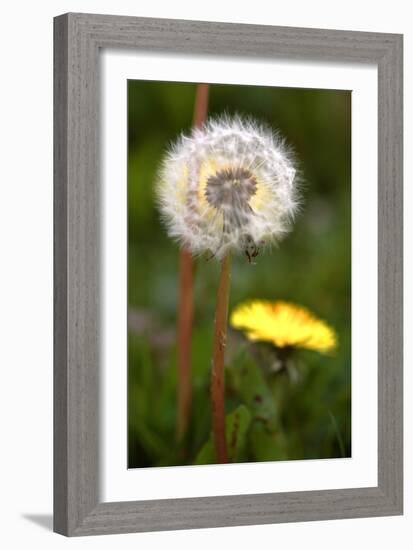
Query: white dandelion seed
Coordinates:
[228,186]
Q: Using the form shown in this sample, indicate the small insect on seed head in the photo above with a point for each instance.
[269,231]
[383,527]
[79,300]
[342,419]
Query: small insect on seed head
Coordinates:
[228,186]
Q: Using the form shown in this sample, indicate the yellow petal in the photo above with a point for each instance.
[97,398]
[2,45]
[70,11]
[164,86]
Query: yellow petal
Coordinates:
[284,325]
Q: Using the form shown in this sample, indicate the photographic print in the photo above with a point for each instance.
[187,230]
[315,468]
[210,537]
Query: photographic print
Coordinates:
[236,224]
[239,274]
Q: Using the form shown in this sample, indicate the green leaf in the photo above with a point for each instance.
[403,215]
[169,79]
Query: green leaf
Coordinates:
[255,392]
[267,446]
[237,424]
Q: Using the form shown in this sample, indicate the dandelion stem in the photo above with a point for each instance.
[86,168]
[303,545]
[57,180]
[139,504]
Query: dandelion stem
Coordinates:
[218,362]
[201,104]
[185,322]
[186,301]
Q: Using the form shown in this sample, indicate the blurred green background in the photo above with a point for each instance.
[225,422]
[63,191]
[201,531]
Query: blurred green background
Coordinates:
[305,412]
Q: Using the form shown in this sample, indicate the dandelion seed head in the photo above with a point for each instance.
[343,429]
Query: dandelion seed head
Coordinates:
[229,185]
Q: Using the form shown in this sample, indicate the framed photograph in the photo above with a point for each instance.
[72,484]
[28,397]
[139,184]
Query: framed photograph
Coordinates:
[228,274]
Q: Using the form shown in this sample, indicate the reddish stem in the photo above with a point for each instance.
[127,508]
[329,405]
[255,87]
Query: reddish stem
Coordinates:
[201,104]
[186,301]
[185,322]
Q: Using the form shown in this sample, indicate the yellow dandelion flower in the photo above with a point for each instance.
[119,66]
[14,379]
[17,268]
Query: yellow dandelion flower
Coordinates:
[283,325]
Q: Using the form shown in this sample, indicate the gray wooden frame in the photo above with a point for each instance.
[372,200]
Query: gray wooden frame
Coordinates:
[78,39]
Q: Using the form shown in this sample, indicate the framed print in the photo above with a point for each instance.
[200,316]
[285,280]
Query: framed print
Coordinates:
[228,274]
